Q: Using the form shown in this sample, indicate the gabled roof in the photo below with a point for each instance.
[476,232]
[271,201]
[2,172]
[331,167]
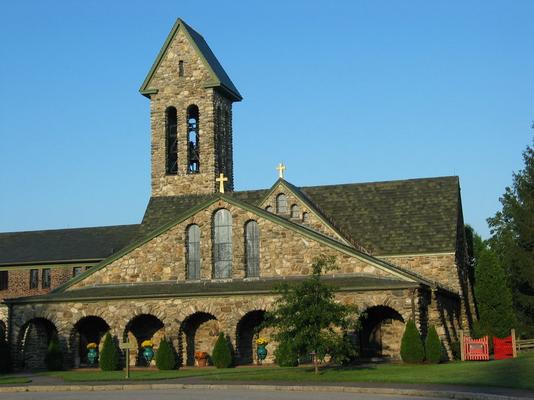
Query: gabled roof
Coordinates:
[220,78]
[63,245]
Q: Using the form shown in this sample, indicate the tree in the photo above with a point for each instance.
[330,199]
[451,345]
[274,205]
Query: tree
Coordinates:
[412,350]
[222,354]
[433,351]
[308,319]
[165,359]
[54,356]
[512,239]
[495,309]
[109,356]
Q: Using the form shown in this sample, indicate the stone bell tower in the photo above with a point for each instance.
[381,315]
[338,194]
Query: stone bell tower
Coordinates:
[191,100]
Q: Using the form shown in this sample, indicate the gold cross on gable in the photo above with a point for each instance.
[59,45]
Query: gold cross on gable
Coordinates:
[221,179]
[281,168]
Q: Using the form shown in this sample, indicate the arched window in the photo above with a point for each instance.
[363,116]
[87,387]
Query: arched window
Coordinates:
[305,217]
[222,244]
[252,248]
[295,211]
[269,209]
[281,204]
[193,149]
[171,141]
[193,252]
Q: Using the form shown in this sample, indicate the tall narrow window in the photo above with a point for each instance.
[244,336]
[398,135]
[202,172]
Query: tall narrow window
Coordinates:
[305,217]
[227,145]
[193,149]
[281,204]
[295,211]
[4,280]
[46,278]
[171,141]
[181,68]
[193,252]
[252,241]
[222,244]
[34,278]
[219,141]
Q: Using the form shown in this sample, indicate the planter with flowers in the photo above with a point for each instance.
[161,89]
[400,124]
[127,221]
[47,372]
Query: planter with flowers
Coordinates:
[92,353]
[202,358]
[261,350]
[148,351]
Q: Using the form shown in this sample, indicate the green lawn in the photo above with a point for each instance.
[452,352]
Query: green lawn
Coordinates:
[13,380]
[517,373]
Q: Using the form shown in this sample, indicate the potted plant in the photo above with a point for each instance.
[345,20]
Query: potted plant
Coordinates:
[202,358]
[148,351]
[261,351]
[92,353]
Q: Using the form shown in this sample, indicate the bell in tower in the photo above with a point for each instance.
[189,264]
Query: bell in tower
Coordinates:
[191,100]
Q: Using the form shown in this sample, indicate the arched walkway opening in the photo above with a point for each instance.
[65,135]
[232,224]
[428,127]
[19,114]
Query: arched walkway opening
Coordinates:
[198,332]
[140,328]
[247,331]
[90,329]
[33,340]
[380,333]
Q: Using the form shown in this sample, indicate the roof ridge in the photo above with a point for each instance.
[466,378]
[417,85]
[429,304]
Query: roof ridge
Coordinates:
[70,229]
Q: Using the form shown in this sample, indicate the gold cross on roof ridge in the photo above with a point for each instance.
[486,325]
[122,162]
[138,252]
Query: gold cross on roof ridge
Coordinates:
[221,179]
[281,169]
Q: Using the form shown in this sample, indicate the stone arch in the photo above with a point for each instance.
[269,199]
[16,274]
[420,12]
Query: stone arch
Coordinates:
[140,328]
[247,330]
[198,332]
[33,339]
[381,330]
[88,329]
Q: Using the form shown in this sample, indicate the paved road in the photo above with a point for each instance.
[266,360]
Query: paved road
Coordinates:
[198,394]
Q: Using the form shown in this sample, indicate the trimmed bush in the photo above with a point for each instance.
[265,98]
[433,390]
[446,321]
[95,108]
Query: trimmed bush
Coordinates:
[222,354]
[165,359]
[5,356]
[432,346]
[109,356]
[54,356]
[285,355]
[412,350]
[455,350]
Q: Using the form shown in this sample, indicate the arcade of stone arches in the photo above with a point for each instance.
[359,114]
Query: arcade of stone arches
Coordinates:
[379,334]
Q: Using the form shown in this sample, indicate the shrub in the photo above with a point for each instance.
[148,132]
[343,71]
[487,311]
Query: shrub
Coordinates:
[5,356]
[432,346]
[285,355]
[54,356]
[109,356]
[221,355]
[165,359]
[412,350]
[455,350]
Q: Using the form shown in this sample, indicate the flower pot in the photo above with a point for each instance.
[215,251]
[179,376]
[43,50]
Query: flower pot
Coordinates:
[148,354]
[92,356]
[202,362]
[261,351]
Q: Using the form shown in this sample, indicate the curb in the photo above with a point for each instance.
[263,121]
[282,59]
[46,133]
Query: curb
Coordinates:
[347,389]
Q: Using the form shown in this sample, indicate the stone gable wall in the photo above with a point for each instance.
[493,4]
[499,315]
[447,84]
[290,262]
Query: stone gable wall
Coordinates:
[283,252]
[180,92]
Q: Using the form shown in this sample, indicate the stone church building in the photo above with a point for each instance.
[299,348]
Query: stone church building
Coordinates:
[206,258]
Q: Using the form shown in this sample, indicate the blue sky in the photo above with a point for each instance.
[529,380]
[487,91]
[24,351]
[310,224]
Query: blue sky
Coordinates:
[341,91]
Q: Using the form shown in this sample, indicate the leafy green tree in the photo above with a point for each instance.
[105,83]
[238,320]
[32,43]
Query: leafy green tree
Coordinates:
[308,320]
[512,240]
[412,350]
[5,356]
[165,358]
[222,354]
[109,356]
[433,351]
[54,356]
[495,309]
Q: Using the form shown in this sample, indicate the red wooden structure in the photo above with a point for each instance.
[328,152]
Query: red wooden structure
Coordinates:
[505,347]
[475,349]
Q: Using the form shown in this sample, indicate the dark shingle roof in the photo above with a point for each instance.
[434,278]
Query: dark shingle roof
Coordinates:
[209,288]
[396,217]
[64,244]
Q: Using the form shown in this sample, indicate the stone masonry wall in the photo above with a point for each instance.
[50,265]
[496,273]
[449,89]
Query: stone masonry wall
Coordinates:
[283,253]
[180,92]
